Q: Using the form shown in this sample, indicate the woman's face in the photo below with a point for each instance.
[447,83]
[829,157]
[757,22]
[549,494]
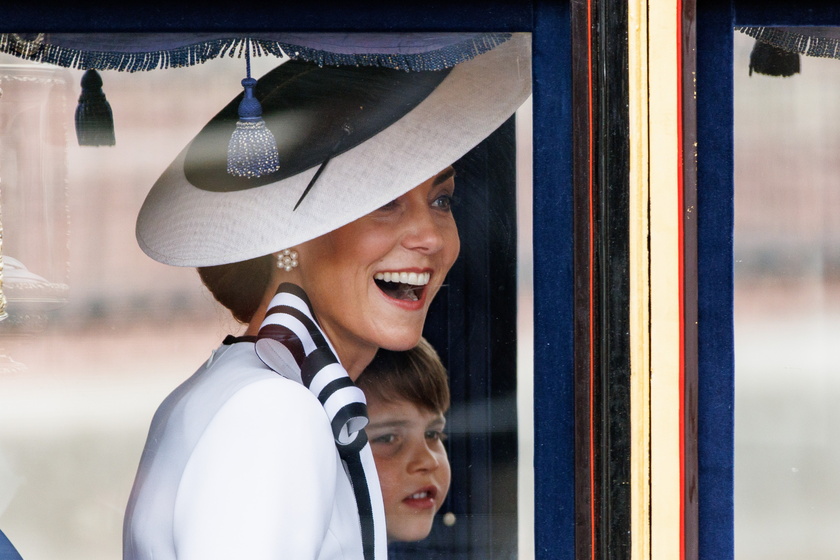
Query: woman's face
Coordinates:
[411,461]
[371,281]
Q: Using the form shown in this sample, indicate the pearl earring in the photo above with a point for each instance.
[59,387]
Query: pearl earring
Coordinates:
[287,259]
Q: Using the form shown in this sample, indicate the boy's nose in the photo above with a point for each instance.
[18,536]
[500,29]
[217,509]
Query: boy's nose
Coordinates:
[424,459]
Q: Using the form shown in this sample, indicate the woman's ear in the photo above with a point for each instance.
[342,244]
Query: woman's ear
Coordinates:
[283,269]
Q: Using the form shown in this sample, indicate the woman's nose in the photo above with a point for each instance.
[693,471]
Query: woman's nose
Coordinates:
[422,231]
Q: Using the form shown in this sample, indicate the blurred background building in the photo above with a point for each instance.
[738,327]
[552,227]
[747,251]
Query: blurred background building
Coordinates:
[102,333]
[108,333]
[787,310]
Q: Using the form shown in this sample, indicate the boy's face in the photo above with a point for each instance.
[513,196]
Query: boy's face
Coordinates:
[407,444]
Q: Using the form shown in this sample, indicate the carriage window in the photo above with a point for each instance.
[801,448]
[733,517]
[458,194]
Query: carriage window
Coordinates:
[787,302]
[97,334]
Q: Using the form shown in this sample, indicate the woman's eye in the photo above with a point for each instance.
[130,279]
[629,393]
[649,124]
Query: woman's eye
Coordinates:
[444,202]
[385,438]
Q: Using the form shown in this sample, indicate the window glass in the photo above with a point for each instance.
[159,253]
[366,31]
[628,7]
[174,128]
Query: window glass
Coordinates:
[787,308]
[98,334]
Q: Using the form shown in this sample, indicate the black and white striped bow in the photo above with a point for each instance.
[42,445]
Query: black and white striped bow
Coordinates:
[291,343]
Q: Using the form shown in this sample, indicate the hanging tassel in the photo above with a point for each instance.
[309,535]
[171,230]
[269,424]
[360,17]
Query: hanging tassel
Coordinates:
[252,150]
[770,60]
[94,120]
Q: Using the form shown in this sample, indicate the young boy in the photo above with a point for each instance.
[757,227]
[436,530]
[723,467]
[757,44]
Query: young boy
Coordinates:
[407,395]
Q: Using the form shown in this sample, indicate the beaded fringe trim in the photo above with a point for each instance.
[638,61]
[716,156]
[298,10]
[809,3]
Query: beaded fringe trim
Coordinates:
[34,47]
[823,47]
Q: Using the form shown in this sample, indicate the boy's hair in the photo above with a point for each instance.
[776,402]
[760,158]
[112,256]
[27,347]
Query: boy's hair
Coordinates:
[416,375]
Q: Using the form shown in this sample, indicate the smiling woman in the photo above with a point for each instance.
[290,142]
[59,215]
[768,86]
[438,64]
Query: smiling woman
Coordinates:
[338,253]
[413,235]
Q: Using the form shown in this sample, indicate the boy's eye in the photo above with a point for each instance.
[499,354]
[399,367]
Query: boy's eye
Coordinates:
[384,438]
[436,435]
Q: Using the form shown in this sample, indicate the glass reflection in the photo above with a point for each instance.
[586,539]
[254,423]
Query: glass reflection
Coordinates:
[787,309]
[74,417]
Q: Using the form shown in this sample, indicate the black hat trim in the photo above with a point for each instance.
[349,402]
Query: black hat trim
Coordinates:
[315,113]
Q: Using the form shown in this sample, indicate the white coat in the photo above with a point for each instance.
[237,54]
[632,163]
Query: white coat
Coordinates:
[241,463]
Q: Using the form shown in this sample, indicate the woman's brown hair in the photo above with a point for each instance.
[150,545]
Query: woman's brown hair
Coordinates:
[239,286]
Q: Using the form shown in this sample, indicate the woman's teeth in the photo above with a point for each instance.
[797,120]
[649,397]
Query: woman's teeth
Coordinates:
[402,285]
[413,278]
[419,496]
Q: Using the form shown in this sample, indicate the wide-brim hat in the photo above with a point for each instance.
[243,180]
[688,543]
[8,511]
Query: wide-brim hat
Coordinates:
[366,135]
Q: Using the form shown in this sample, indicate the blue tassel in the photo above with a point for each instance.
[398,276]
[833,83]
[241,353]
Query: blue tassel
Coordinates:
[94,120]
[252,150]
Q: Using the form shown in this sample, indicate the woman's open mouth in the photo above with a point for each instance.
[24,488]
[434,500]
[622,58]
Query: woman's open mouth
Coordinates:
[406,286]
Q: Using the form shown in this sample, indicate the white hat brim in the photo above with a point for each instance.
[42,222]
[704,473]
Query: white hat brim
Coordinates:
[182,225]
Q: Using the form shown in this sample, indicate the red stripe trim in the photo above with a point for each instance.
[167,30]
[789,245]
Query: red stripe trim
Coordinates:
[592,503]
[681,270]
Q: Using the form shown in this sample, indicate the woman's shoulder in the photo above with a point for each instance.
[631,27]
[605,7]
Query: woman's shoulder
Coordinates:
[234,379]
[270,417]
[240,375]
[273,402]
